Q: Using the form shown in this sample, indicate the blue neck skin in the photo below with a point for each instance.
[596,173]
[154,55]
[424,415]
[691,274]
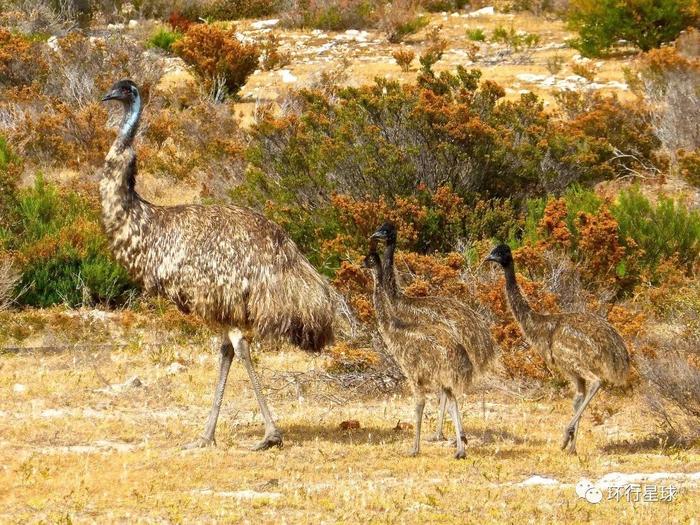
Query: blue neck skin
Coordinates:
[130,123]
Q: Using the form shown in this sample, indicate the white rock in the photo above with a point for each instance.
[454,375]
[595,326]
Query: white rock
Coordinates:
[115,27]
[176,368]
[576,78]
[287,76]
[351,32]
[265,23]
[52,42]
[52,412]
[133,24]
[484,11]
[530,77]
[538,480]
[18,388]
[618,85]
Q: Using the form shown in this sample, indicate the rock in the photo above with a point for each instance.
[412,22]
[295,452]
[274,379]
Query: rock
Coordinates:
[538,480]
[18,388]
[52,42]
[133,382]
[115,27]
[176,368]
[484,11]
[52,412]
[261,24]
[287,76]
[133,24]
[530,77]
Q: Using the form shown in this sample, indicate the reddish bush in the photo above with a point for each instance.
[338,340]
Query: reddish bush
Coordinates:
[218,56]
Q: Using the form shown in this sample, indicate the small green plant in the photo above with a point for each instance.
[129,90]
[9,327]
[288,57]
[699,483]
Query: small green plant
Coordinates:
[646,24]
[400,31]
[516,40]
[555,63]
[164,39]
[477,34]
[62,252]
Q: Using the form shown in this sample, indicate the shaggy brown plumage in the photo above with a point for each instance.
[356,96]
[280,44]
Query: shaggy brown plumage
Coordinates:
[583,346]
[469,327]
[429,353]
[227,264]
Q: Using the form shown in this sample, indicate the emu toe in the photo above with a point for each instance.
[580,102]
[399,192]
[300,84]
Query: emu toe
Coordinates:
[568,436]
[460,454]
[200,443]
[438,436]
[273,439]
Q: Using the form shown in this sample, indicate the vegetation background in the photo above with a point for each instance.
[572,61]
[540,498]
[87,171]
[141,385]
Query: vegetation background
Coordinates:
[590,171]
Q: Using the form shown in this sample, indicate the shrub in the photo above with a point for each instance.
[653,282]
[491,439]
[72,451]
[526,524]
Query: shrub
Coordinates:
[399,19]
[217,56]
[555,63]
[689,166]
[585,70]
[8,282]
[670,81]
[646,24]
[10,171]
[516,40]
[62,253]
[271,56]
[476,34]
[164,39]
[332,15]
[20,60]
[404,57]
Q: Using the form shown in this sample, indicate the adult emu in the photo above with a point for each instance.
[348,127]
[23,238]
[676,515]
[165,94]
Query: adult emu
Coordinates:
[471,329]
[237,270]
[583,346]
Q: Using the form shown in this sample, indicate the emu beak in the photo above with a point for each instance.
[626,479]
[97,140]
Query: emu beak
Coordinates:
[491,258]
[109,96]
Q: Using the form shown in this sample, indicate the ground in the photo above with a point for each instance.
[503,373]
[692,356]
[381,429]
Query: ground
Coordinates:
[82,440]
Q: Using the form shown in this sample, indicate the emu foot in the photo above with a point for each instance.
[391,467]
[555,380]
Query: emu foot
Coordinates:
[273,439]
[453,441]
[413,453]
[201,442]
[568,437]
[438,436]
[460,454]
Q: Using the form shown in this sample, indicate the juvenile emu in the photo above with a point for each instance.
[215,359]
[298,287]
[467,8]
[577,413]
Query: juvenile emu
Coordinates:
[471,329]
[583,346]
[237,270]
[430,355]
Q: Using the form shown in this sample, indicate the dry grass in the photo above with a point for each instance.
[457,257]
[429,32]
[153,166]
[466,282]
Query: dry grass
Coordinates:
[73,448]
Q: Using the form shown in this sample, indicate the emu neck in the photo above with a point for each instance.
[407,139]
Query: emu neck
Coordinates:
[121,205]
[389,274]
[379,297]
[129,124]
[522,311]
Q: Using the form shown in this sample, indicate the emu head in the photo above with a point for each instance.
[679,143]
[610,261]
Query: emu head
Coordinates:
[502,255]
[386,232]
[125,91]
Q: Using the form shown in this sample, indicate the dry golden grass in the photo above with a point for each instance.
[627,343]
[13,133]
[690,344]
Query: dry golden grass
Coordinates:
[74,450]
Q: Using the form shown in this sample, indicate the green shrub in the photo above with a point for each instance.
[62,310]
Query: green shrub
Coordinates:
[10,170]
[517,40]
[62,252]
[164,39]
[644,23]
[476,34]
[658,231]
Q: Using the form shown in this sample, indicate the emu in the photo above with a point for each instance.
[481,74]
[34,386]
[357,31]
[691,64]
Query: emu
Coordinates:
[583,346]
[472,330]
[429,354]
[229,265]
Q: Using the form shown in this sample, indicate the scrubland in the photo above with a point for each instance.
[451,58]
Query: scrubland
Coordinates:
[575,142]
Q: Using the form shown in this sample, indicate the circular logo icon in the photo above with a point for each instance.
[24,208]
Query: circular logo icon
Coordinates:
[594,495]
[582,487]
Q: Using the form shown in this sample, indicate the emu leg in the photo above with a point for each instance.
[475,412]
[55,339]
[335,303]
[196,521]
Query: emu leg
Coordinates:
[273,437]
[571,428]
[420,405]
[459,431]
[578,399]
[439,435]
[207,438]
